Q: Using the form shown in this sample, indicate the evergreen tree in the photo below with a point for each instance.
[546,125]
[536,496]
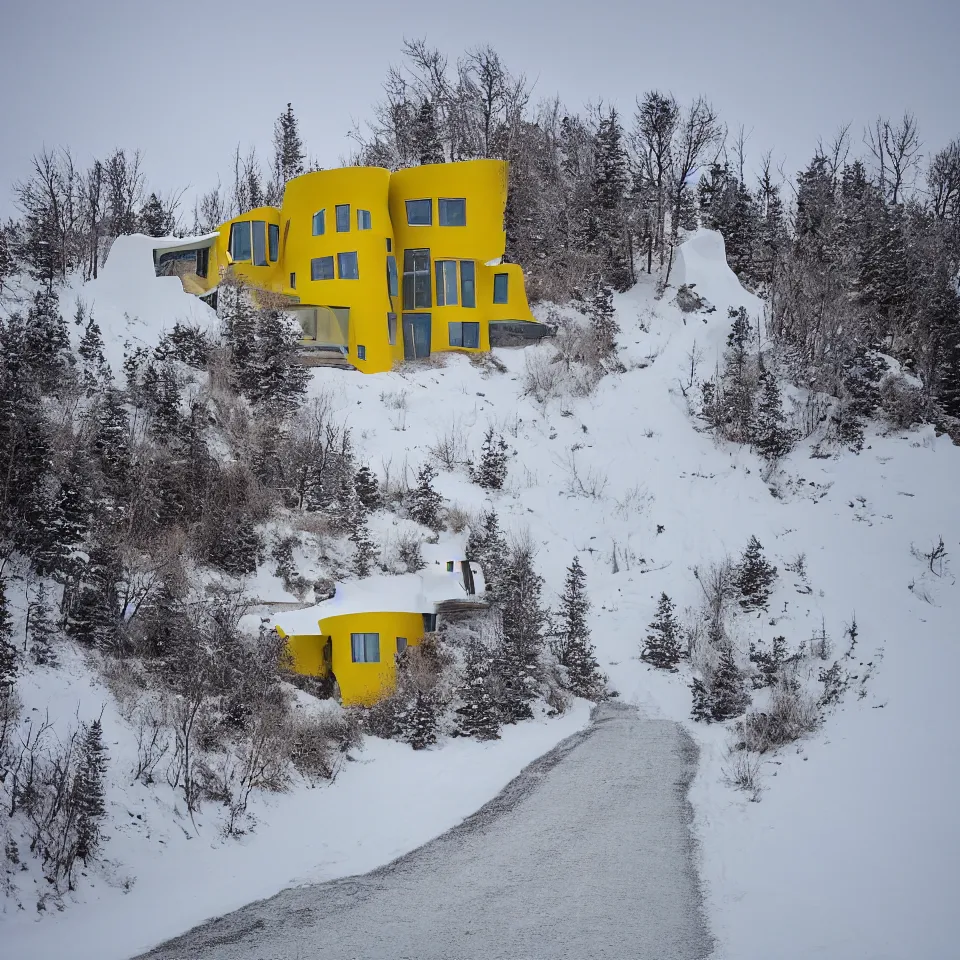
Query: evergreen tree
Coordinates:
[755,576]
[607,223]
[417,722]
[274,378]
[768,663]
[368,488]
[425,134]
[240,333]
[524,620]
[41,629]
[948,392]
[96,372]
[491,472]
[288,155]
[478,714]
[771,437]
[662,648]
[155,220]
[111,439]
[9,656]
[168,425]
[365,549]
[89,796]
[573,647]
[486,545]
[425,502]
[603,321]
[728,693]
[93,610]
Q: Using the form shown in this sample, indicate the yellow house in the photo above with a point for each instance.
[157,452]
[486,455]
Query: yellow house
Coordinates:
[377,267]
[355,636]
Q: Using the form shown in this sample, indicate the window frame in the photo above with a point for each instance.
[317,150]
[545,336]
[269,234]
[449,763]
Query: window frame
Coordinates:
[468,266]
[426,200]
[360,643]
[443,270]
[405,642]
[356,265]
[343,225]
[273,242]
[505,296]
[319,218]
[315,268]
[441,201]
[364,220]
[410,291]
[258,231]
[232,242]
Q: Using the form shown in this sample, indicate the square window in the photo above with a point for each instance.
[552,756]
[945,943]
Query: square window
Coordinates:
[240,240]
[392,287]
[343,218]
[453,213]
[363,220]
[455,334]
[274,243]
[365,647]
[361,352]
[419,213]
[500,287]
[321,268]
[259,243]
[347,266]
[401,644]
[471,335]
[319,223]
[392,329]
[468,283]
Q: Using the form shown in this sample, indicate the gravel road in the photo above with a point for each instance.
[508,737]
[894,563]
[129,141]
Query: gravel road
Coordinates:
[586,854]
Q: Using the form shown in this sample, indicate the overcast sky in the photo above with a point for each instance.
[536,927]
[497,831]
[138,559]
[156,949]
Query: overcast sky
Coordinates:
[186,81]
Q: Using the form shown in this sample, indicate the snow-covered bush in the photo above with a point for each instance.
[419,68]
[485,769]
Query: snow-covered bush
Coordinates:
[791,714]
[901,401]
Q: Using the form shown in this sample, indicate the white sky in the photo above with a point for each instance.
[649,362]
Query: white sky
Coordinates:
[186,81]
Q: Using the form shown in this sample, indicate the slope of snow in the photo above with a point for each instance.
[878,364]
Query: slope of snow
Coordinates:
[851,851]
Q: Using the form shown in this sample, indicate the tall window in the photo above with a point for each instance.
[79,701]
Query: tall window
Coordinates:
[464,335]
[468,284]
[392,276]
[401,644]
[259,243]
[419,213]
[363,220]
[447,283]
[347,266]
[361,352]
[321,268]
[365,647]
[453,213]
[343,218]
[240,240]
[203,261]
[500,287]
[293,281]
[416,279]
[392,329]
[274,240]
[319,223]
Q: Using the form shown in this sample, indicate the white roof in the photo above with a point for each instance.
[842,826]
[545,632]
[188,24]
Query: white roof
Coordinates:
[183,243]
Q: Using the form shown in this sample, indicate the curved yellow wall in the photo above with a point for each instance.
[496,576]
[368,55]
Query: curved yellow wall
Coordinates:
[263,278]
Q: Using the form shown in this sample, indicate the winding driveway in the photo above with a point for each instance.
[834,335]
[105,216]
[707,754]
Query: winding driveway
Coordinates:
[586,854]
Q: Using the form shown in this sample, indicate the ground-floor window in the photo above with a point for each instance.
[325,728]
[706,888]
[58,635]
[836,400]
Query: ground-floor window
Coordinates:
[464,334]
[365,647]
[401,644]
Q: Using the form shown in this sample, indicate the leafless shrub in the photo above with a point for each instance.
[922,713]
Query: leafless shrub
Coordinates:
[396,482]
[449,450]
[742,770]
[153,740]
[935,558]
[584,482]
[791,715]
[718,582]
[902,402]
[458,518]
[318,742]
[543,378]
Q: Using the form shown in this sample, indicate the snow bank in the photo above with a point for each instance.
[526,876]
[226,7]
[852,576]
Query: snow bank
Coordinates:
[702,263]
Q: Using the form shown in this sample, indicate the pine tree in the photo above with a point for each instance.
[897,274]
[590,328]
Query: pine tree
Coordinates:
[368,488]
[425,502]
[417,722]
[486,545]
[168,425]
[949,380]
[491,472]
[425,133]
[89,796]
[111,440]
[573,647]
[274,378]
[607,228]
[603,321]
[288,155]
[365,549]
[41,628]
[772,439]
[96,372]
[478,713]
[524,619]
[240,333]
[94,613]
[9,656]
[155,220]
[768,663]
[662,648]
[728,693]
[755,576]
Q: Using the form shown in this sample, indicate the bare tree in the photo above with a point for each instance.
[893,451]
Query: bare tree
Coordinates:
[896,151]
[943,182]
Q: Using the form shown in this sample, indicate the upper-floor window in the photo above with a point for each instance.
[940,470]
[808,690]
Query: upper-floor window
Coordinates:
[203,261]
[447,283]
[321,268]
[468,283]
[319,223]
[392,288]
[365,647]
[347,266]
[416,279]
[500,287]
[364,221]
[259,243]
[240,240]
[419,213]
[274,242]
[453,213]
[343,218]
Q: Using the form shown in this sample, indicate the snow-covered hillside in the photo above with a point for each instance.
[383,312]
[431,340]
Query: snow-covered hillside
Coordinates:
[852,849]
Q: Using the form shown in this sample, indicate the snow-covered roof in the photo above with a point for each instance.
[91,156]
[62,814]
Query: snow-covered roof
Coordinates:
[408,593]
[183,243]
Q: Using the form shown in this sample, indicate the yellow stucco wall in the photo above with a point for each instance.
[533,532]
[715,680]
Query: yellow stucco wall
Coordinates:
[361,684]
